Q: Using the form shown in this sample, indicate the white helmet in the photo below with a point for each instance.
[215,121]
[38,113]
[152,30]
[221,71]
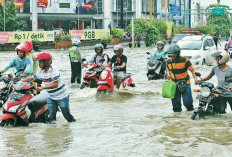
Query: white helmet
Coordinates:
[76,42]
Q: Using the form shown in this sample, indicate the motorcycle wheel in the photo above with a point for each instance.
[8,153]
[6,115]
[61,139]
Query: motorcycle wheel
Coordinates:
[8,122]
[193,116]
[83,85]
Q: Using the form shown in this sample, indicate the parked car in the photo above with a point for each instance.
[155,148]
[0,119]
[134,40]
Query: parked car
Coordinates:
[198,48]
[178,37]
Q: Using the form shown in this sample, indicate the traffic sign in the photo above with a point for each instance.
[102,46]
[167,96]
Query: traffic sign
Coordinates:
[175,9]
[218,11]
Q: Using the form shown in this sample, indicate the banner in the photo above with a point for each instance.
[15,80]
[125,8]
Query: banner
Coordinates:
[16,37]
[89,34]
[169,29]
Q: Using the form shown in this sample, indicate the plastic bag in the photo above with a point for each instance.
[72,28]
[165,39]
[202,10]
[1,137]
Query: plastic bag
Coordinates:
[168,89]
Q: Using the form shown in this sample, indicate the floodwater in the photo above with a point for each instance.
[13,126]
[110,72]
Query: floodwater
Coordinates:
[137,123]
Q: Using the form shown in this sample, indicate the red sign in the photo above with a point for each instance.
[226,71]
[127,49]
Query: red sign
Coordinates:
[87,6]
[42,3]
[19,3]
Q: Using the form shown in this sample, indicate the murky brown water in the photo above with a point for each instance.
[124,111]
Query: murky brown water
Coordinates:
[139,123]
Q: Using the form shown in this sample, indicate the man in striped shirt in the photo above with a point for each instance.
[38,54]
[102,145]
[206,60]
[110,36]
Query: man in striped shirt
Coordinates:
[57,92]
[178,67]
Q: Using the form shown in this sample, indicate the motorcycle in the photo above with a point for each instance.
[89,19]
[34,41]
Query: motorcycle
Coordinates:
[154,68]
[6,82]
[107,80]
[208,99]
[90,76]
[15,110]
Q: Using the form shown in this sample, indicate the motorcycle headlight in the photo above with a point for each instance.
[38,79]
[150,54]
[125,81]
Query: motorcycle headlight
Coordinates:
[14,108]
[205,91]
[151,67]
[104,74]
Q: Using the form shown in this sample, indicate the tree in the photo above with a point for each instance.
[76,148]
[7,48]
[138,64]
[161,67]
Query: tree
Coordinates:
[222,23]
[12,21]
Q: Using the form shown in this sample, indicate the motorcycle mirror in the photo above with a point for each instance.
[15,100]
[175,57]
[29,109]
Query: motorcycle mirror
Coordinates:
[198,74]
[148,53]
[10,75]
[229,79]
[83,59]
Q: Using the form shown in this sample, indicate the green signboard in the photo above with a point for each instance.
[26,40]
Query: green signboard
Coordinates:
[218,11]
[64,5]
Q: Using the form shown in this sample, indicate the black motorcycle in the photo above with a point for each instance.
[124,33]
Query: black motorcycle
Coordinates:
[154,68]
[208,99]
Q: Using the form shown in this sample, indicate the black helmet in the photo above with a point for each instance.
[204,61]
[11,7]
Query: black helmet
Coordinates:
[174,49]
[98,46]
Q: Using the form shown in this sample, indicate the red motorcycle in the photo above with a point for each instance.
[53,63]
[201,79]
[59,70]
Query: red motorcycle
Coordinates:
[15,110]
[107,80]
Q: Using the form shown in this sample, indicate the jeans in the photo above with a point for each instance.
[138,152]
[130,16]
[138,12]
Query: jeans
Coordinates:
[223,103]
[76,72]
[187,100]
[64,106]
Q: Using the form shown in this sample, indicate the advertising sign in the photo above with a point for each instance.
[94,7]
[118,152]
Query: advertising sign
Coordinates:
[68,6]
[15,37]
[42,3]
[89,34]
[19,3]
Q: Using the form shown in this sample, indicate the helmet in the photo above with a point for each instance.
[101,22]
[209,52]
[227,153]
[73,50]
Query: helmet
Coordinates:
[76,42]
[119,48]
[223,57]
[46,57]
[25,46]
[174,49]
[98,46]
[29,45]
[160,43]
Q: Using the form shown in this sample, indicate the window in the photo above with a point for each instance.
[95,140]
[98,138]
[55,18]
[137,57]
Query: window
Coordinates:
[127,5]
[145,6]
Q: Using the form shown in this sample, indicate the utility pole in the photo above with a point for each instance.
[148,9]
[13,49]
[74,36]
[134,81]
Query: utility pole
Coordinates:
[34,16]
[150,9]
[4,15]
[122,26]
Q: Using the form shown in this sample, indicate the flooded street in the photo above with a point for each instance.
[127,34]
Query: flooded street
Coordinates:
[138,123]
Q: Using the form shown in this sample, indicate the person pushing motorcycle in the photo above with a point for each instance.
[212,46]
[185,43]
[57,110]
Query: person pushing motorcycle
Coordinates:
[178,67]
[119,60]
[222,72]
[57,91]
[23,64]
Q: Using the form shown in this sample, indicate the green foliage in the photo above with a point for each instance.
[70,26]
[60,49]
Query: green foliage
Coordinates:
[12,21]
[107,38]
[62,38]
[179,29]
[222,23]
[154,30]
[36,42]
[209,29]
[117,33]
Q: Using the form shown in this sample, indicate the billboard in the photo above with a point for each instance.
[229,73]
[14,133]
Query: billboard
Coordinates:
[89,34]
[16,37]
[68,6]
